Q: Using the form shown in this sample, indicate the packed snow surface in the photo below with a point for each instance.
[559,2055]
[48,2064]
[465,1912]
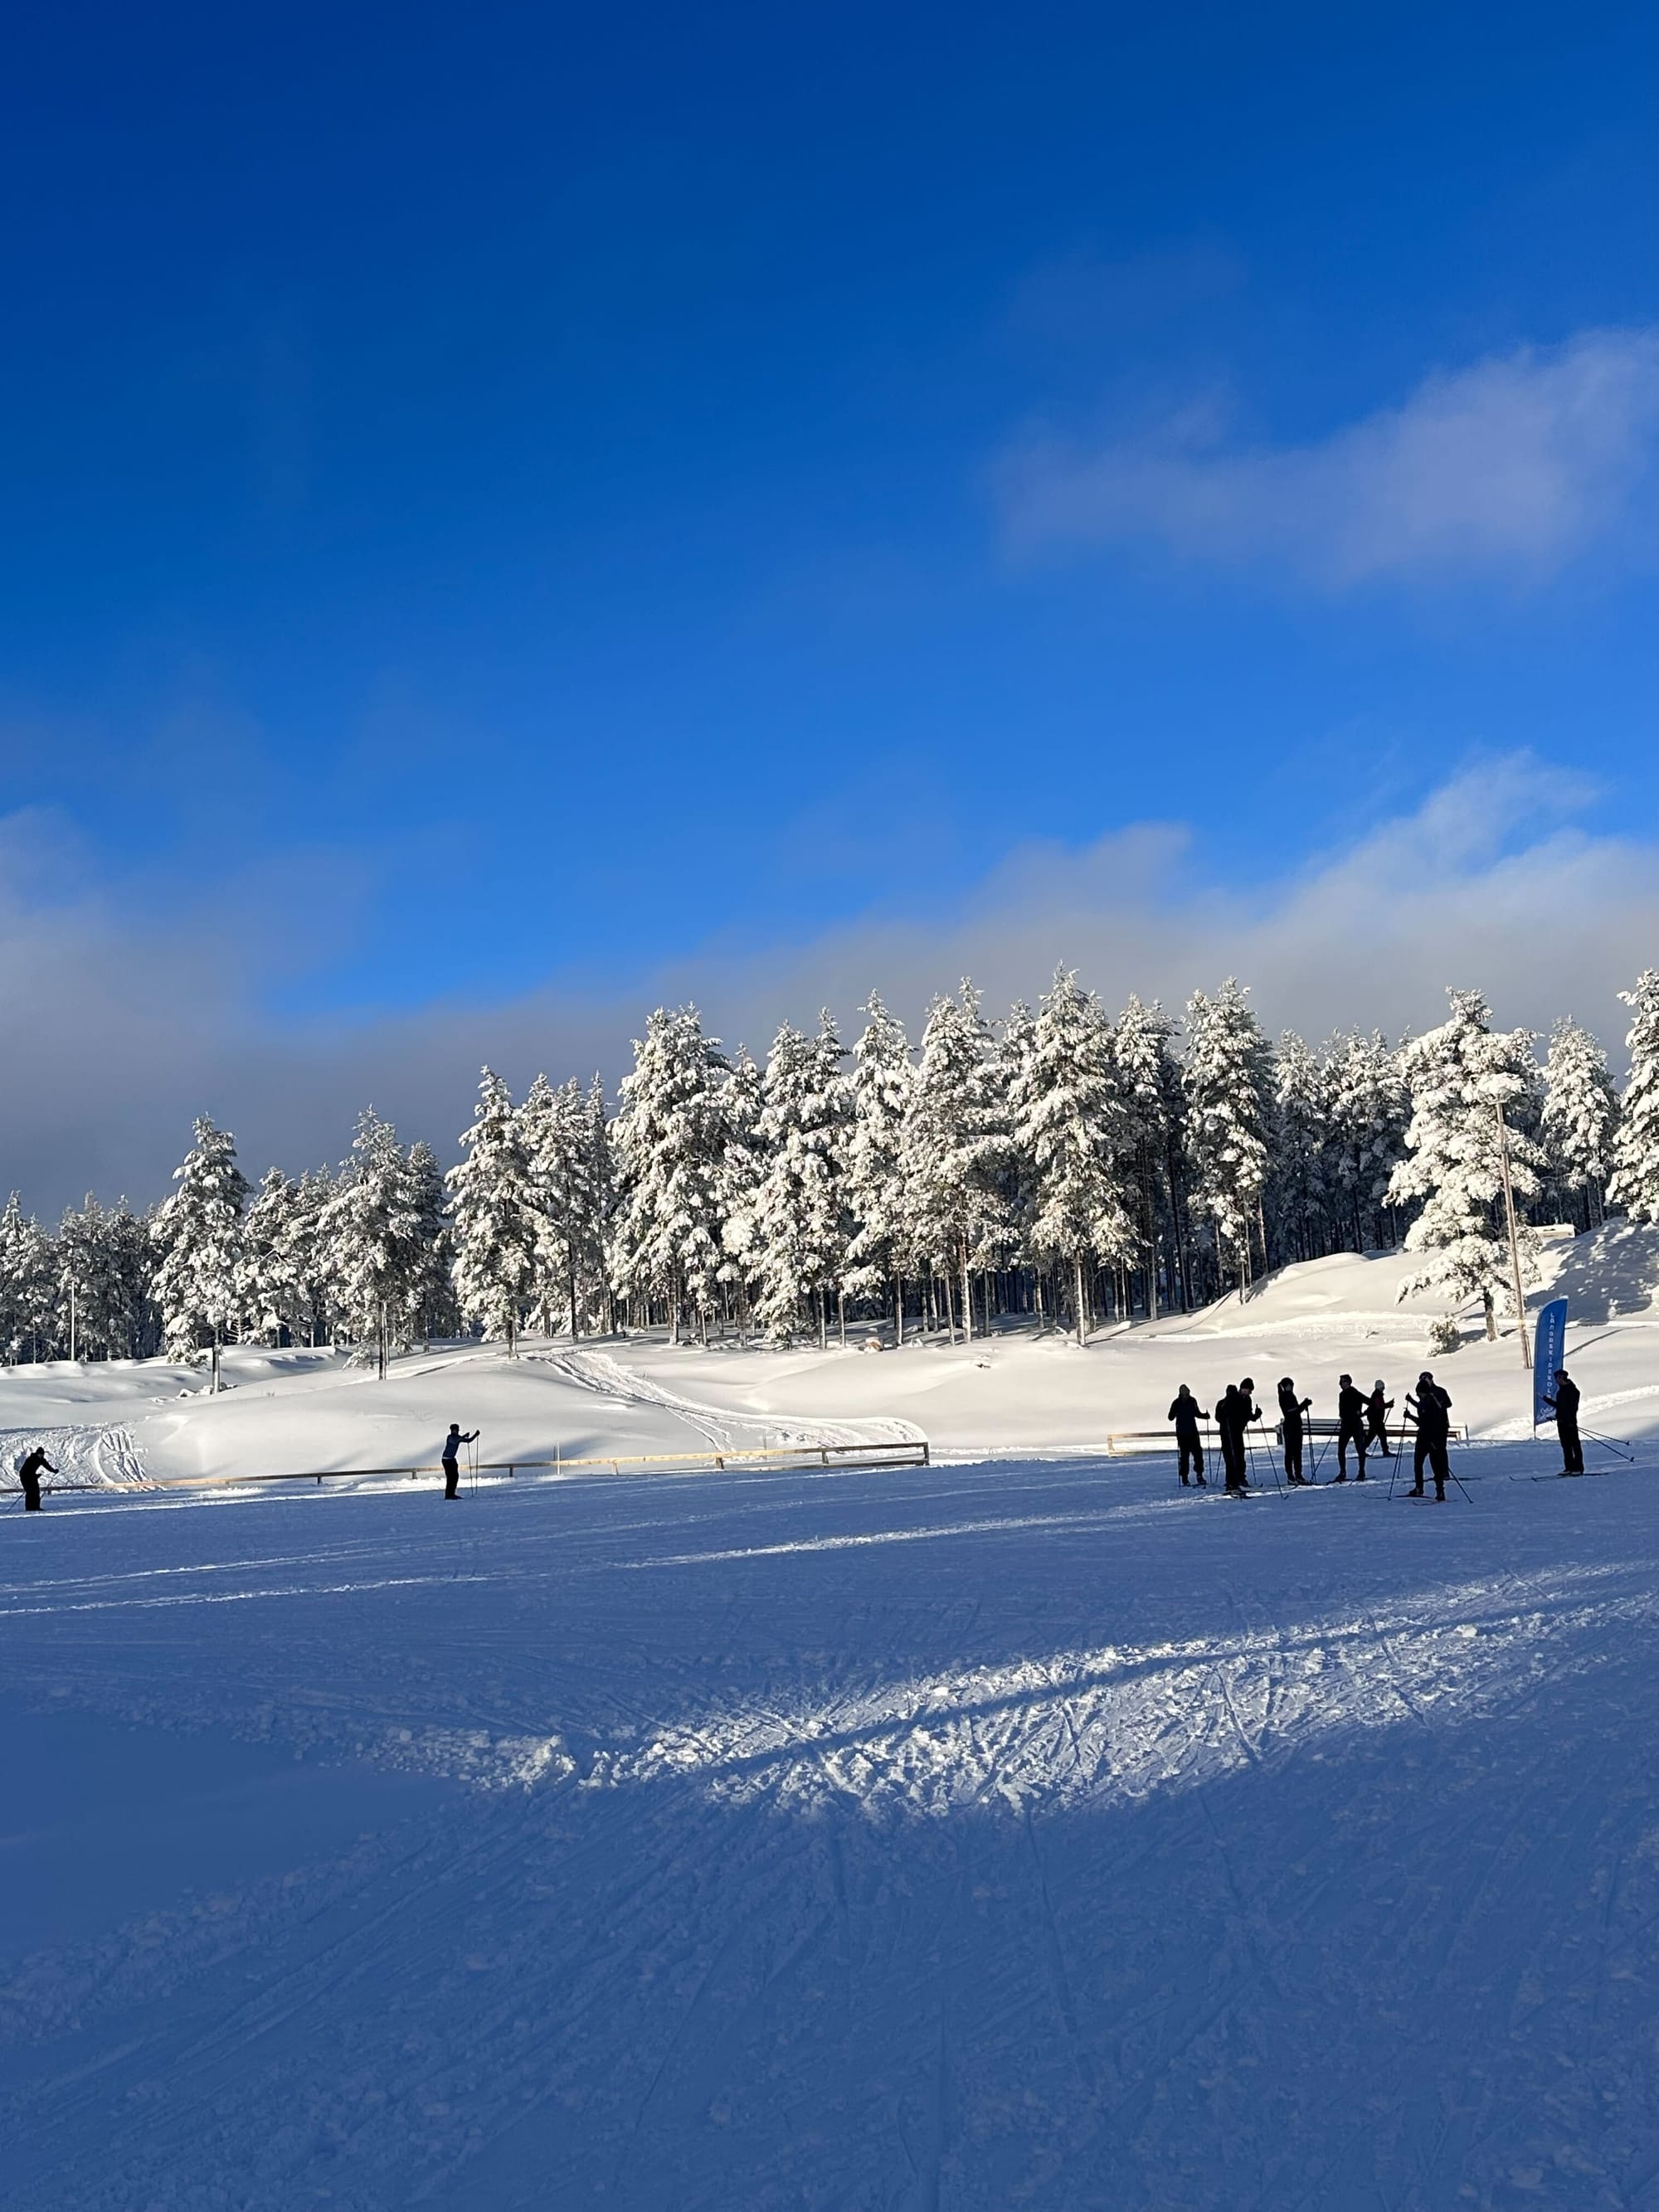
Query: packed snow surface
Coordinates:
[1018,1832]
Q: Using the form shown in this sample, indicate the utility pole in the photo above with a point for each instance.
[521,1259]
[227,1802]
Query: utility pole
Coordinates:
[74,1353]
[1515,1241]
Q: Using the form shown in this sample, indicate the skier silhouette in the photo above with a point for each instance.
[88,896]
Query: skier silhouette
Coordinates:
[1376,1419]
[1432,1406]
[1290,1410]
[29,1475]
[450,1453]
[1350,1429]
[1565,1406]
[1187,1413]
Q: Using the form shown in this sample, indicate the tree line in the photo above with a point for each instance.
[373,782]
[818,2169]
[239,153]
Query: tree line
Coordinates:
[1060,1162]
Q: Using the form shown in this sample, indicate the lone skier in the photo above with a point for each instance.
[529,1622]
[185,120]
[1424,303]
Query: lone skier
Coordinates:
[1187,1413]
[451,1456]
[29,1475]
[1350,1429]
[1432,1406]
[1565,1406]
[1290,1410]
[1378,1409]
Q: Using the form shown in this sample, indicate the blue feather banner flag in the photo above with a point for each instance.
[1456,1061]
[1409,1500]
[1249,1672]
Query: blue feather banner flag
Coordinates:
[1550,1352]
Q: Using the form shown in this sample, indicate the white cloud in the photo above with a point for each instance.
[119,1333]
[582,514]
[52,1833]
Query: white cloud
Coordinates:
[1510,468]
[122,1032]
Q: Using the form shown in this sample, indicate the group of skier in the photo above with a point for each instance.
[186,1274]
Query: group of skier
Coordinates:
[1362,1424]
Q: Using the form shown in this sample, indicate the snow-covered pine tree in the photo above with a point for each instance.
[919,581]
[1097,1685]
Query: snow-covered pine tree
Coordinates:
[275,1295]
[1069,1118]
[878,1258]
[1228,1078]
[1021,1179]
[1301,1166]
[557,1145]
[956,1148]
[738,1182]
[1579,1123]
[28,1284]
[1370,1109]
[494,1208]
[668,1134]
[1148,1086]
[1465,1079]
[103,1280]
[371,1231]
[197,1234]
[602,1181]
[432,1308]
[801,1226]
[1633,1185]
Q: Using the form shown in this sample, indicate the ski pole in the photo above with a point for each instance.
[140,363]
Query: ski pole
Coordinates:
[1620,1446]
[1272,1463]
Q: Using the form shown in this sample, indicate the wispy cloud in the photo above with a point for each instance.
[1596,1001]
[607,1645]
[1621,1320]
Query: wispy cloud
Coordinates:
[126,1029]
[1509,468]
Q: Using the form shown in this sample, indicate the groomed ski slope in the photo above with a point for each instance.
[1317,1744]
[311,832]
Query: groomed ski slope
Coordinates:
[1009,1834]
[1014,1832]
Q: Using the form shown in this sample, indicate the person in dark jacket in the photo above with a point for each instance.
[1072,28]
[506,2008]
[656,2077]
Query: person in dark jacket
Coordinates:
[29,1475]
[1565,1406]
[1290,1410]
[1378,1409]
[1432,1408]
[450,1453]
[1233,1416]
[1187,1413]
[1350,1428]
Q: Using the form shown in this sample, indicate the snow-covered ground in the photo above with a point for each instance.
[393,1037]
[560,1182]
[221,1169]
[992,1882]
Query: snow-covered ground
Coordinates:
[1013,1832]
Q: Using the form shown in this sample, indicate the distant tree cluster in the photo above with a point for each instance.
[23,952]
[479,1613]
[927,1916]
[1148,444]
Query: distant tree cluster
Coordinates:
[1060,1162]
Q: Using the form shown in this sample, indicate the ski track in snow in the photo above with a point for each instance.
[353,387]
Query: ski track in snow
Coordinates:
[104,1457]
[965,1837]
[723,1430]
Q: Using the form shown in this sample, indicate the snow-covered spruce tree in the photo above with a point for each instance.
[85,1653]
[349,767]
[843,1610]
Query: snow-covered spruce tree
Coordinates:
[558,1147]
[432,1308]
[1228,1078]
[801,1228]
[1579,1122]
[738,1182]
[1633,1185]
[1020,1182]
[493,1210]
[371,1231]
[956,1147]
[877,1257]
[1147,1082]
[103,1263]
[1465,1079]
[668,1133]
[1370,1109]
[1069,1119]
[197,1234]
[28,1285]
[602,1181]
[1300,1164]
[274,1294]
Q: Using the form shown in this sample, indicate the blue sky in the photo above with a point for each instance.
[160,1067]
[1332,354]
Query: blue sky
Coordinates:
[511,500]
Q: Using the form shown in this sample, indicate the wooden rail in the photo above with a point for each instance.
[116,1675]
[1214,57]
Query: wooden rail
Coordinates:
[1144,1443]
[781,1458]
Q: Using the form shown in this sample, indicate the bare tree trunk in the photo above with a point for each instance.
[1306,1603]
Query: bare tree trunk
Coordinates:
[1078,1296]
[898,1312]
[967,1293]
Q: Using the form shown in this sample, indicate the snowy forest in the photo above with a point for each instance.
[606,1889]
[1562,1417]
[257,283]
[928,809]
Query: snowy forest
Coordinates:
[1059,1164]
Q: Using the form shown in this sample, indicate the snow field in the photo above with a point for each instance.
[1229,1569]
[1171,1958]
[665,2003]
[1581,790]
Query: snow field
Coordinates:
[1016,1833]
